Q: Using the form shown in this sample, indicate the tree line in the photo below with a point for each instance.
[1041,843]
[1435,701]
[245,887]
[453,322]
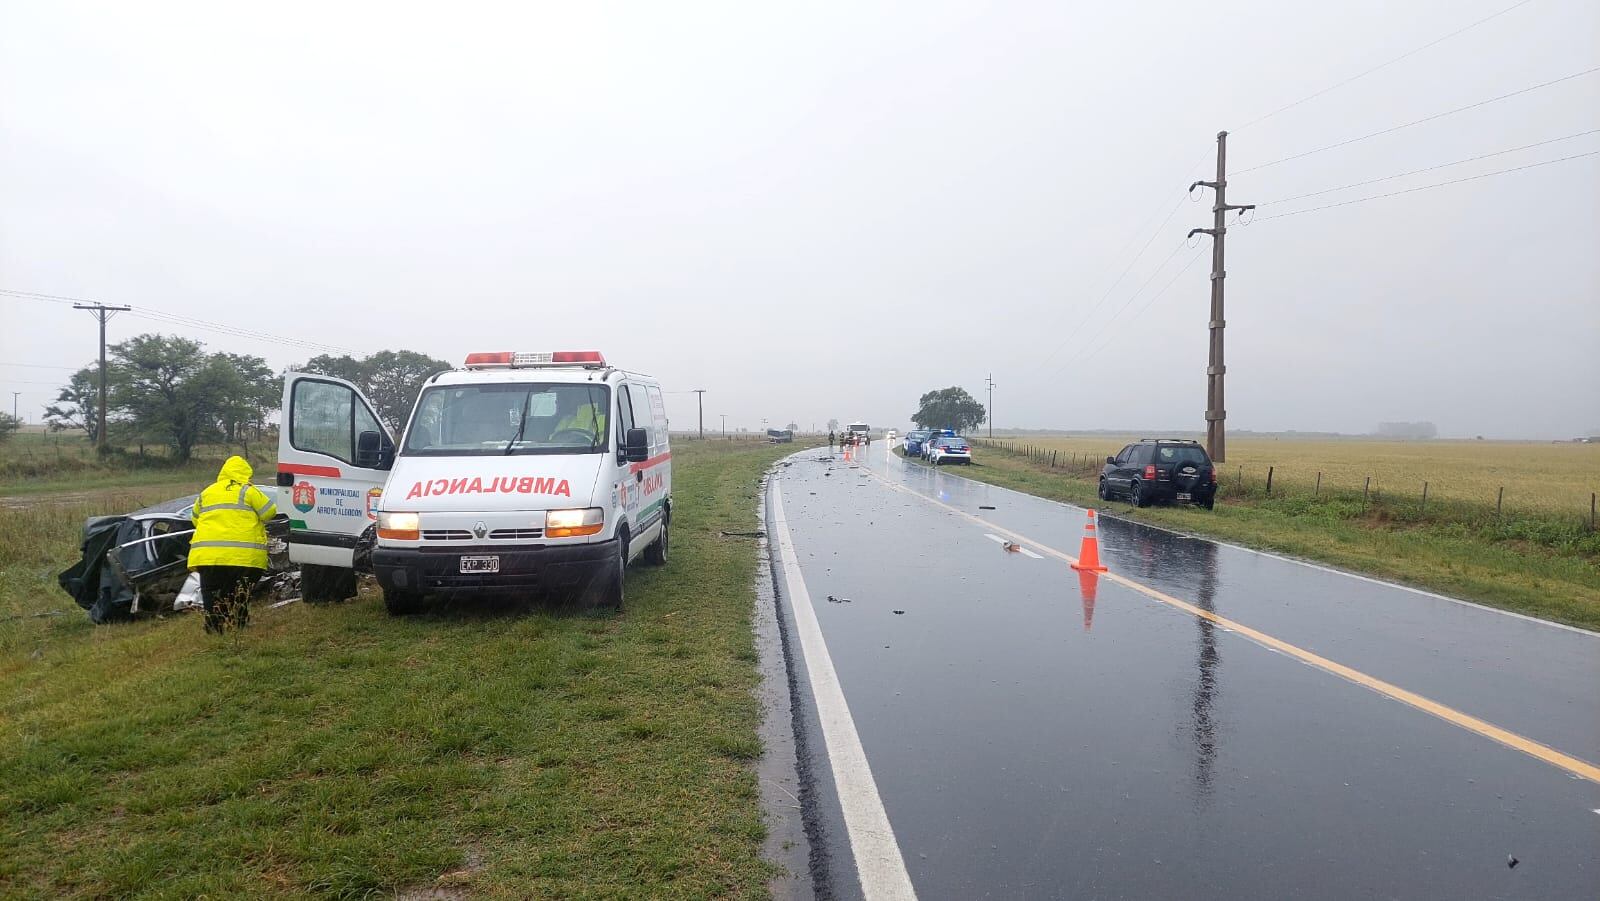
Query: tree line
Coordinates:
[170,391]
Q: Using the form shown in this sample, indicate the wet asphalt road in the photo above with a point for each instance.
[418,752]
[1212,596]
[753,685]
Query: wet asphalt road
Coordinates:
[1029,742]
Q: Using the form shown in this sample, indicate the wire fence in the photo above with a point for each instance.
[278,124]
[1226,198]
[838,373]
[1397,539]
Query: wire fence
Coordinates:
[1383,498]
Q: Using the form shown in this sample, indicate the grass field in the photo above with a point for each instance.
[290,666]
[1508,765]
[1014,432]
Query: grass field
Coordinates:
[1538,477]
[334,751]
[38,462]
[1543,564]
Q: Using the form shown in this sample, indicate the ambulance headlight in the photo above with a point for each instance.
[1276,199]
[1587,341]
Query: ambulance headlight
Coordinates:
[567,523]
[399,526]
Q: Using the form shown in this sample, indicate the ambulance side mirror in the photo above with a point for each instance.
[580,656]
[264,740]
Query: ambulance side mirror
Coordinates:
[372,452]
[635,446]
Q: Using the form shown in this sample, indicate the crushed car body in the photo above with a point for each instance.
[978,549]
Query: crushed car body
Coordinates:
[137,562]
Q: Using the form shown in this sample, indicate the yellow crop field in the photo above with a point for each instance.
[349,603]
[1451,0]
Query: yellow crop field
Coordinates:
[1544,477]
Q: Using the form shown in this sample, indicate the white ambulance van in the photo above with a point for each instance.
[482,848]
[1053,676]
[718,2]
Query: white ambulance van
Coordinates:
[520,472]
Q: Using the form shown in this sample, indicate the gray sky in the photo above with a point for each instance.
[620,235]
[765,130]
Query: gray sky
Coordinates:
[825,210]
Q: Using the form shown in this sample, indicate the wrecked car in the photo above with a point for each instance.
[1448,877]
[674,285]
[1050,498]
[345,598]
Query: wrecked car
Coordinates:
[137,562]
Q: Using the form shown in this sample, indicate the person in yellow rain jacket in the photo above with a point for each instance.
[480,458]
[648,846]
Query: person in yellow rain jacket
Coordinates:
[229,546]
[585,417]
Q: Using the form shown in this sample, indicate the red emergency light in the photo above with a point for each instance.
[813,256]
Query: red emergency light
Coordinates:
[589,359]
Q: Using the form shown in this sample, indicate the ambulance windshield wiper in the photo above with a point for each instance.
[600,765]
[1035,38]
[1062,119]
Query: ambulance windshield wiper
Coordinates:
[521,426]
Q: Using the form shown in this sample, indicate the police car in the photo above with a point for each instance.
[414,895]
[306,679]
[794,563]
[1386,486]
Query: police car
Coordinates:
[518,472]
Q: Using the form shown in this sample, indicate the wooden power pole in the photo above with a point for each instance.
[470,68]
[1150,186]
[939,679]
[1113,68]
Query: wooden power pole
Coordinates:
[102,313]
[1216,411]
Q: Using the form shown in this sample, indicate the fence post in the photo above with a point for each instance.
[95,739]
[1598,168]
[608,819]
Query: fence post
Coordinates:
[1269,479]
[1424,497]
[1591,511]
[1241,477]
[1315,492]
[1366,490]
[1052,459]
[1499,499]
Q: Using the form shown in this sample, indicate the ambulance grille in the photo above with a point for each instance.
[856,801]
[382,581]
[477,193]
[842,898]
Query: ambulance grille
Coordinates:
[516,534]
[446,535]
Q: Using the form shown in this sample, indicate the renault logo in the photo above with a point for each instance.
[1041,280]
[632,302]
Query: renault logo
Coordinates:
[481,529]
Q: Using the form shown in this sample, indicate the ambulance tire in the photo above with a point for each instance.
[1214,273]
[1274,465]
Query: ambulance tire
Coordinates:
[606,592]
[325,584]
[656,553]
[402,603]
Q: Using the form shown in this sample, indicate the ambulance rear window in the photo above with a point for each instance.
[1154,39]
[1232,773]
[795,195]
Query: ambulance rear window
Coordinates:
[517,418]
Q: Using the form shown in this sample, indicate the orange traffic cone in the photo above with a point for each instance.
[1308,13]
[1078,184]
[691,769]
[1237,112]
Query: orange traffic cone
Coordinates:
[1089,550]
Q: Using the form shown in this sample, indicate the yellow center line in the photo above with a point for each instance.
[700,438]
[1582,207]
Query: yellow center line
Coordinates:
[1573,765]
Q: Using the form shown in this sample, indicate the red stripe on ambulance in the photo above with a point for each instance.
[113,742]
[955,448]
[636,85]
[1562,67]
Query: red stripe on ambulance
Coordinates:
[308,469]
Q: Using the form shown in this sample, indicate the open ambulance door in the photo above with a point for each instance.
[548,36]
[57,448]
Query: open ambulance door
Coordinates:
[334,456]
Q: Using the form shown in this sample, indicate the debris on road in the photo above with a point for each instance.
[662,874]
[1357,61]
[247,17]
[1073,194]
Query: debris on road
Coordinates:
[834,600]
[899,613]
[1011,546]
[985,507]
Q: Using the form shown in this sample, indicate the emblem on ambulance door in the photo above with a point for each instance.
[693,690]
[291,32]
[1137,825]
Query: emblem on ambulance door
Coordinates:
[304,496]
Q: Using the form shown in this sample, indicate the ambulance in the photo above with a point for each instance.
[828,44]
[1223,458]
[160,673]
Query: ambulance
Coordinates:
[518,473]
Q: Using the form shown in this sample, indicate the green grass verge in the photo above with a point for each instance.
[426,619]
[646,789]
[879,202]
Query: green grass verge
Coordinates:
[337,752]
[1555,580]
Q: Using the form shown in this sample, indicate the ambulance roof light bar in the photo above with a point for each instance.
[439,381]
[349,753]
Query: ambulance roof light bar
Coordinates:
[588,359]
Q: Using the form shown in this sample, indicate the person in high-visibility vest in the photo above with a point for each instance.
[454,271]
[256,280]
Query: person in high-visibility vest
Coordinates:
[229,546]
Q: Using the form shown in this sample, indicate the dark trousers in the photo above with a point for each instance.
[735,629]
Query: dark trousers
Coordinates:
[225,592]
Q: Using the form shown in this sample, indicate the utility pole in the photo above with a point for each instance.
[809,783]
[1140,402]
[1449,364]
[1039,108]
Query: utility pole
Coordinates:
[990,411]
[102,313]
[700,399]
[14,405]
[724,424]
[1216,411]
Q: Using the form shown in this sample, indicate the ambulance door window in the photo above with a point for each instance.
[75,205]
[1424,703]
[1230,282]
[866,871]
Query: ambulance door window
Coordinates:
[624,417]
[642,418]
[658,412]
[322,419]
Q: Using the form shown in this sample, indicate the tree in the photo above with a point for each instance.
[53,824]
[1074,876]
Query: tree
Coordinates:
[77,404]
[833,425]
[793,427]
[948,408]
[391,379]
[170,389]
[8,424]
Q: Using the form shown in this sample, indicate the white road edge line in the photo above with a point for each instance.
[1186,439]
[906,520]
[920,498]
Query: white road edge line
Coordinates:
[995,538]
[1028,553]
[880,866]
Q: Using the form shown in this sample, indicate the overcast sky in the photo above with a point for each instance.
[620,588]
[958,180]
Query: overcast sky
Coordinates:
[823,210]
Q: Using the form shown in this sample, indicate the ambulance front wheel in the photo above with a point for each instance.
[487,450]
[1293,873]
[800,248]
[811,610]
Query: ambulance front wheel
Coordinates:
[606,591]
[401,603]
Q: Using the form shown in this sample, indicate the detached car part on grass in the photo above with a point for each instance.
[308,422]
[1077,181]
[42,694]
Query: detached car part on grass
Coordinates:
[138,562]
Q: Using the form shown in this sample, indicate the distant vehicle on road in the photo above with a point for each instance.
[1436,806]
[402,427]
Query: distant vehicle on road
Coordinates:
[860,431]
[949,450]
[1160,469]
[890,435]
[780,436]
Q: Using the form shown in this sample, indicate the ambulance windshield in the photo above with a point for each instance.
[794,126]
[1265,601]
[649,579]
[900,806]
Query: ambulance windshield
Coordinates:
[527,418]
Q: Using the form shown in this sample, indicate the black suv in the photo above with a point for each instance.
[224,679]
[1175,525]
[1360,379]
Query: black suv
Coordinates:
[1160,469]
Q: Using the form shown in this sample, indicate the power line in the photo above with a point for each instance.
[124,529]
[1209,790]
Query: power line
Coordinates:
[41,366]
[1394,128]
[1132,297]
[1147,304]
[193,322]
[1453,181]
[1384,65]
[1471,159]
